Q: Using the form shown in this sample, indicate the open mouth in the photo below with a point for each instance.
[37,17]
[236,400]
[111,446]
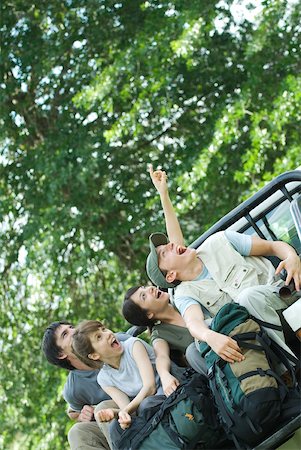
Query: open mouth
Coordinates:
[159,293]
[115,344]
[181,249]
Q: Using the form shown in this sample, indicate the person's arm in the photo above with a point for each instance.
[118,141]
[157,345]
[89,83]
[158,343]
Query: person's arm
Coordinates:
[290,260]
[224,346]
[146,371]
[147,375]
[85,415]
[121,400]
[169,382]
[173,228]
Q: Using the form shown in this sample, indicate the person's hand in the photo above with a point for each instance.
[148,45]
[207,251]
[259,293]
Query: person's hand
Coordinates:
[124,419]
[86,414]
[106,415]
[224,346]
[292,265]
[159,178]
[169,384]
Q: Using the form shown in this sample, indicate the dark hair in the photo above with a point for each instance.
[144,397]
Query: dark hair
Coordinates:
[50,348]
[133,313]
[81,342]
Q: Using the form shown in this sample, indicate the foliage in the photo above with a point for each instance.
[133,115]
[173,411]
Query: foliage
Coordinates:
[92,92]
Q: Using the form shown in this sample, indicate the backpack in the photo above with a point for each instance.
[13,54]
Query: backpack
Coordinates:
[251,397]
[187,419]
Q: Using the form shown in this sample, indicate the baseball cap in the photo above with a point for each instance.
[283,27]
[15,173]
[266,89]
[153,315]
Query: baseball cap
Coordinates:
[152,264]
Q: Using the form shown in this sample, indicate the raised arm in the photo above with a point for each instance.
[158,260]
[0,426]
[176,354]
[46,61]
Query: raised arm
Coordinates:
[290,260]
[169,382]
[173,228]
[224,346]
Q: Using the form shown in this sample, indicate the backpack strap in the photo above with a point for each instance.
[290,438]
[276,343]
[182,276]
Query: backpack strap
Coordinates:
[262,373]
[266,324]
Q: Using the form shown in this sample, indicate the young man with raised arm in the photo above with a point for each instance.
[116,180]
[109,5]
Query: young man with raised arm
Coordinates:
[227,267]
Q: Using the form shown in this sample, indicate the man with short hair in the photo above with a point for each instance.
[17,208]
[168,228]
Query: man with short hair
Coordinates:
[227,266]
[81,390]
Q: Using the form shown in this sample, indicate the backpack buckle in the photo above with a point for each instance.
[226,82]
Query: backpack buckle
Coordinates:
[210,373]
[156,420]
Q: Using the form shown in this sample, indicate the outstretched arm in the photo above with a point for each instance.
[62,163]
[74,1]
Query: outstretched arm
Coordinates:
[290,260]
[173,228]
[224,346]
[169,382]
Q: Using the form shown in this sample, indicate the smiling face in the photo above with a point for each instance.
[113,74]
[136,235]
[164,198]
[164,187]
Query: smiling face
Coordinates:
[63,338]
[105,345]
[151,299]
[176,258]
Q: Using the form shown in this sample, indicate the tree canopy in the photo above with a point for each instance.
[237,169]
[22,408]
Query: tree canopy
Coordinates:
[92,91]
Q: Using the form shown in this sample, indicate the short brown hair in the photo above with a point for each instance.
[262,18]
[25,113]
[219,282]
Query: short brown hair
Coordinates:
[81,342]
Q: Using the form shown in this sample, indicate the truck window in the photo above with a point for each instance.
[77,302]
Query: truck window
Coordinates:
[278,224]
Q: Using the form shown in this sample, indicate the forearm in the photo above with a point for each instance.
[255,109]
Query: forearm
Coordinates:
[163,365]
[146,391]
[173,228]
[261,247]
[283,250]
[198,329]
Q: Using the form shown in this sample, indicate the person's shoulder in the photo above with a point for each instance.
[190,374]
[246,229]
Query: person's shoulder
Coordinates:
[160,326]
[212,238]
[69,386]
[103,373]
[129,342]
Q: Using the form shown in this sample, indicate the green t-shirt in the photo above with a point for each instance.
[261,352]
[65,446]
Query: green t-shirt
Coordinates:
[177,337]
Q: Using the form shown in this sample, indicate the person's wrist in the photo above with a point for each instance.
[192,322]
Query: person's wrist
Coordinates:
[205,335]
[164,195]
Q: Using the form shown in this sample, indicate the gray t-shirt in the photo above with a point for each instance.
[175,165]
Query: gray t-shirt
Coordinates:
[81,389]
[127,377]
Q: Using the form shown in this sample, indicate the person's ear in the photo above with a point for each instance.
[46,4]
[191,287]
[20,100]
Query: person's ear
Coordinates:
[150,315]
[62,356]
[171,276]
[94,356]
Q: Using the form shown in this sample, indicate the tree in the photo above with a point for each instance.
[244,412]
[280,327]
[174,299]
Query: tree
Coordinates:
[92,92]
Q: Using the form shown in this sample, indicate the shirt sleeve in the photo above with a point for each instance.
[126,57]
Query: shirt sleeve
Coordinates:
[155,336]
[242,243]
[103,379]
[72,403]
[182,303]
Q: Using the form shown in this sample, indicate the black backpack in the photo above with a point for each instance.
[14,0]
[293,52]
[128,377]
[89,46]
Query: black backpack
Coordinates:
[251,398]
[187,419]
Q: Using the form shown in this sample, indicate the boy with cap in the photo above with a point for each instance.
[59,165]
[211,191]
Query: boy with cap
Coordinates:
[227,267]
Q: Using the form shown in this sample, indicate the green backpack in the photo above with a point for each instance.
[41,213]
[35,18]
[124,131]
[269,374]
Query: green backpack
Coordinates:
[185,420]
[251,398]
